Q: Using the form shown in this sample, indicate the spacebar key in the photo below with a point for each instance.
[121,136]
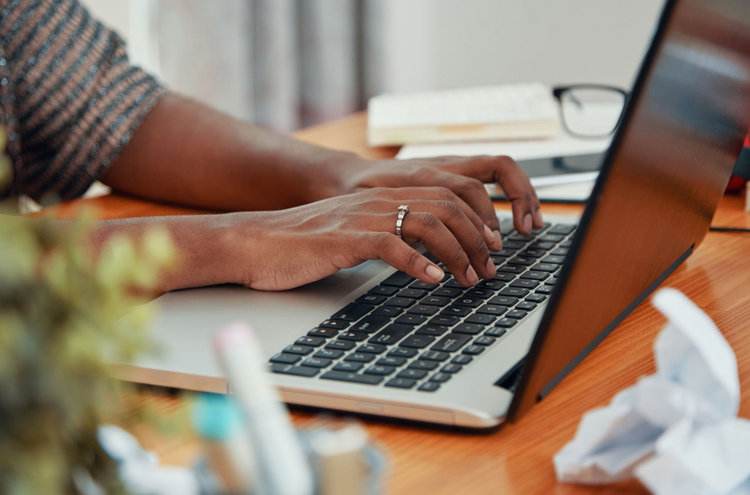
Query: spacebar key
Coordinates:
[352,377]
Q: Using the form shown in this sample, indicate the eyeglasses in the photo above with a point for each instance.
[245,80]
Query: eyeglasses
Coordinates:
[590,110]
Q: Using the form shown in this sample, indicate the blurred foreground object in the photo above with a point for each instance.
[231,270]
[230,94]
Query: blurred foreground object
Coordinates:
[59,312]
[676,431]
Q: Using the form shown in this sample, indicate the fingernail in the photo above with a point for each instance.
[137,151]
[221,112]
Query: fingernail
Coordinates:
[471,275]
[498,240]
[527,222]
[491,267]
[487,232]
[434,273]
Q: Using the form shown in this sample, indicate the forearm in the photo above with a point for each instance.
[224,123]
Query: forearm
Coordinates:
[187,153]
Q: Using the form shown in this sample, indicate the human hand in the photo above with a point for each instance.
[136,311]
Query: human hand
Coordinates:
[279,250]
[465,176]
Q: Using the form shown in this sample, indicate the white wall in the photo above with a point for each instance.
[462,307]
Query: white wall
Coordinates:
[450,43]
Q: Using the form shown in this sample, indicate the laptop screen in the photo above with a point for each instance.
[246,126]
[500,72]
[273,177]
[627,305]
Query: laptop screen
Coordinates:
[661,182]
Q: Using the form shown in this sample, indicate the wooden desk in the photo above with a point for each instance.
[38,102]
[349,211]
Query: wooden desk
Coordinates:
[518,457]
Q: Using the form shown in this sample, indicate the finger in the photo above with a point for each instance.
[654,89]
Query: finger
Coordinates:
[400,255]
[474,194]
[432,233]
[515,185]
[491,238]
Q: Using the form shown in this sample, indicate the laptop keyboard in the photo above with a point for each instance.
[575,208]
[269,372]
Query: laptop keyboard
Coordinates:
[409,334]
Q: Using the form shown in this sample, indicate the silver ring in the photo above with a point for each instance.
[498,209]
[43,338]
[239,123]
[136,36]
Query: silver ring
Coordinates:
[402,211]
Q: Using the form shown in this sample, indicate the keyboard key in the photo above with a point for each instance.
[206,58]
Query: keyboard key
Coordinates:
[423,285]
[383,290]
[491,309]
[536,298]
[368,299]
[412,293]
[352,377]
[444,320]
[468,328]
[558,260]
[512,292]
[456,311]
[542,245]
[551,281]
[429,387]
[340,345]
[518,237]
[354,336]
[518,260]
[480,319]
[505,322]
[526,305]
[302,350]
[326,333]
[532,253]
[350,367]
[471,302]
[479,293]
[391,334]
[370,324]
[389,311]
[562,228]
[288,369]
[433,330]
[423,309]
[337,324]
[484,340]
[359,357]
[435,301]
[451,343]
[380,370]
[400,302]
[402,352]
[434,356]
[412,374]
[285,358]
[539,231]
[422,365]
[417,341]
[311,341]
[447,292]
[503,301]
[545,289]
[462,359]
[524,283]
[545,267]
[560,252]
[503,277]
[451,368]
[372,348]
[451,284]
[473,350]
[511,269]
[398,279]
[551,238]
[567,243]
[410,319]
[496,332]
[355,311]
[391,361]
[515,314]
[532,275]
[400,383]
[317,362]
[328,354]
[440,377]
[490,284]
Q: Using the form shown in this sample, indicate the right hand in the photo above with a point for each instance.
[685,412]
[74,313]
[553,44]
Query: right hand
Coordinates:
[280,250]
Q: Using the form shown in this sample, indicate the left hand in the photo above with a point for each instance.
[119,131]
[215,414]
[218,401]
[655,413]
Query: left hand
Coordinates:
[465,176]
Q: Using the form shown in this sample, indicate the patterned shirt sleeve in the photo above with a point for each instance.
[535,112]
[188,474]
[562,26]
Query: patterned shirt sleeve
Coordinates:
[69,98]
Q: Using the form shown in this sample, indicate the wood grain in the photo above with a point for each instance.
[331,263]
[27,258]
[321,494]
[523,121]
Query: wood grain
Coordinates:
[517,459]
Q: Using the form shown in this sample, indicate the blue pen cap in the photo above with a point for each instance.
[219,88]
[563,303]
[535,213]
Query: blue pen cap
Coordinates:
[215,416]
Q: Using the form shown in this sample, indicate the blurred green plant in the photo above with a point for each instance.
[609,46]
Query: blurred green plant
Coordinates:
[60,322]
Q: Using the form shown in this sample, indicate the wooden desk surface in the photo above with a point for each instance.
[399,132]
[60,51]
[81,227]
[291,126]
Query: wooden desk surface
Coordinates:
[517,459]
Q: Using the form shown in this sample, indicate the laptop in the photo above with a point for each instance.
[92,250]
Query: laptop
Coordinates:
[373,340]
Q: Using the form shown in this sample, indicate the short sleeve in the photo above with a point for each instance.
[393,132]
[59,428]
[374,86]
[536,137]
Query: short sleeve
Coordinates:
[69,97]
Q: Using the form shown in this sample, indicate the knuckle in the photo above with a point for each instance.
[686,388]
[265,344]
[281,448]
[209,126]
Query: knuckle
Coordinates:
[412,259]
[477,249]
[429,221]
[383,241]
[451,210]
